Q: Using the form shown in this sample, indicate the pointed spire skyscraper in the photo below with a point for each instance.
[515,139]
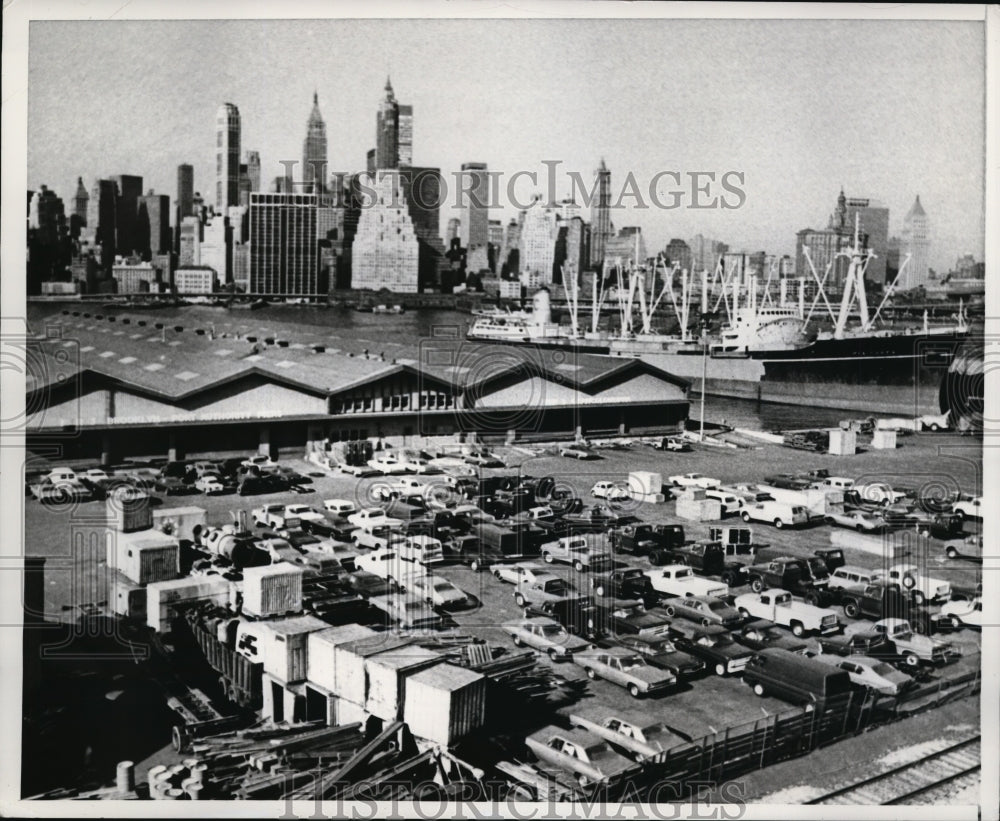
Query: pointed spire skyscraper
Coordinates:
[314,152]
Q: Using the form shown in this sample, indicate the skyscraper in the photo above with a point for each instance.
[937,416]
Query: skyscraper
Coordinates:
[102,212]
[404,139]
[80,200]
[385,252]
[916,241]
[154,212]
[474,226]
[227,157]
[453,225]
[314,156]
[185,192]
[537,245]
[283,244]
[252,159]
[387,130]
[600,216]
[127,236]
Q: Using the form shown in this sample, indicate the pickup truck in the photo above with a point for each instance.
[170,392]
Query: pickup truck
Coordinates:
[579,551]
[707,558]
[542,591]
[648,540]
[631,618]
[921,588]
[268,516]
[788,573]
[914,647]
[779,606]
[885,600]
[679,580]
[376,538]
[371,517]
[713,645]
[624,583]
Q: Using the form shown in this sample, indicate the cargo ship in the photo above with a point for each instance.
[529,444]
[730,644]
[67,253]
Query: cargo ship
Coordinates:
[770,350]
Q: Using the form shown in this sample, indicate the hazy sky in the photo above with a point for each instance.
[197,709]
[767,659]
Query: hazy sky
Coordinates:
[886,109]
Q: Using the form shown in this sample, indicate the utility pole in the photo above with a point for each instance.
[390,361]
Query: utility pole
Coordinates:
[704,371]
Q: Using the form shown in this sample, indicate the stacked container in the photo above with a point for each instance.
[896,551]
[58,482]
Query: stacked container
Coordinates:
[387,675]
[129,510]
[144,556]
[281,645]
[272,590]
[322,669]
[164,598]
[445,703]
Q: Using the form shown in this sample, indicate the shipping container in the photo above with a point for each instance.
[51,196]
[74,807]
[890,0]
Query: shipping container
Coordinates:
[350,677]
[184,523]
[129,510]
[144,557]
[321,665]
[125,598]
[445,703]
[280,645]
[164,599]
[387,673]
[240,678]
[272,590]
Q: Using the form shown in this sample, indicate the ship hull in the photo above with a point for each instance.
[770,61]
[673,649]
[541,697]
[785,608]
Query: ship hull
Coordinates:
[898,374]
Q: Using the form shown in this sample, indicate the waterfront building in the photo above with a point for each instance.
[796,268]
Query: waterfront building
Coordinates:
[600,217]
[216,244]
[227,157]
[132,276]
[572,248]
[185,191]
[705,253]
[314,152]
[189,242]
[385,253]
[283,244]
[102,210]
[916,241]
[195,280]
[873,225]
[48,247]
[626,247]
[678,252]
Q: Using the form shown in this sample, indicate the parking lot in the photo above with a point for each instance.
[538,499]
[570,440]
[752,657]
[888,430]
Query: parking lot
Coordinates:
[702,705]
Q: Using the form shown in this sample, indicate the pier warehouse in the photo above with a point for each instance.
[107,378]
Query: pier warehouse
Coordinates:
[131,385]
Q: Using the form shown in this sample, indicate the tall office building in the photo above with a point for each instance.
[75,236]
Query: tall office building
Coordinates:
[283,244]
[102,215]
[385,251]
[421,189]
[80,200]
[185,192]
[916,241]
[128,239]
[189,242]
[626,247]
[537,245]
[678,252]
[393,133]
[227,157]
[314,152]
[453,227]
[252,161]
[872,221]
[705,253]
[600,216]
[475,219]
[154,224]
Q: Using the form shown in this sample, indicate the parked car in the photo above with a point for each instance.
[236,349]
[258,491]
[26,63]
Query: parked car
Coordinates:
[578,452]
[778,514]
[303,513]
[260,462]
[543,591]
[795,678]
[880,676]
[581,552]
[339,508]
[519,573]
[920,587]
[969,548]
[862,643]
[680,580]
[367,584]
[762,633]
[693,480]
[730,503]
[643,742]
[964,613]
[372,517]
[713,645]
[661,652]
[624,583]
[546,635]
[611,491]
[778,606]
[648,540]
[969,508]
[587,757]
[850,576]
[421,549]
[624,618]
[209,483]
[268,515]
[387,464]
[914,647]
[856,520]
[704,610]
[437,591]
[627,669]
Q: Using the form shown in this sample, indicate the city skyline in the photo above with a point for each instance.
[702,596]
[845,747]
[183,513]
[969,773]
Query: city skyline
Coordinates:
[779,128]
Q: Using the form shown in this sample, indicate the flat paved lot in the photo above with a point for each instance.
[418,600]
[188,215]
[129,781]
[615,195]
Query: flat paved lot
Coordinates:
[701,706]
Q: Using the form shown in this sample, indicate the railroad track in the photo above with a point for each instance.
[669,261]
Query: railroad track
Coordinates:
[954,766]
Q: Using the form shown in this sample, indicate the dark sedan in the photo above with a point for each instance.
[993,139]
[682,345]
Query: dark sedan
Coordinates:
[762,633]
[663,653]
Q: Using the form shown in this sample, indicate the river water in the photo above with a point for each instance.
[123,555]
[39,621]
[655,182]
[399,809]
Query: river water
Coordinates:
[415,325]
